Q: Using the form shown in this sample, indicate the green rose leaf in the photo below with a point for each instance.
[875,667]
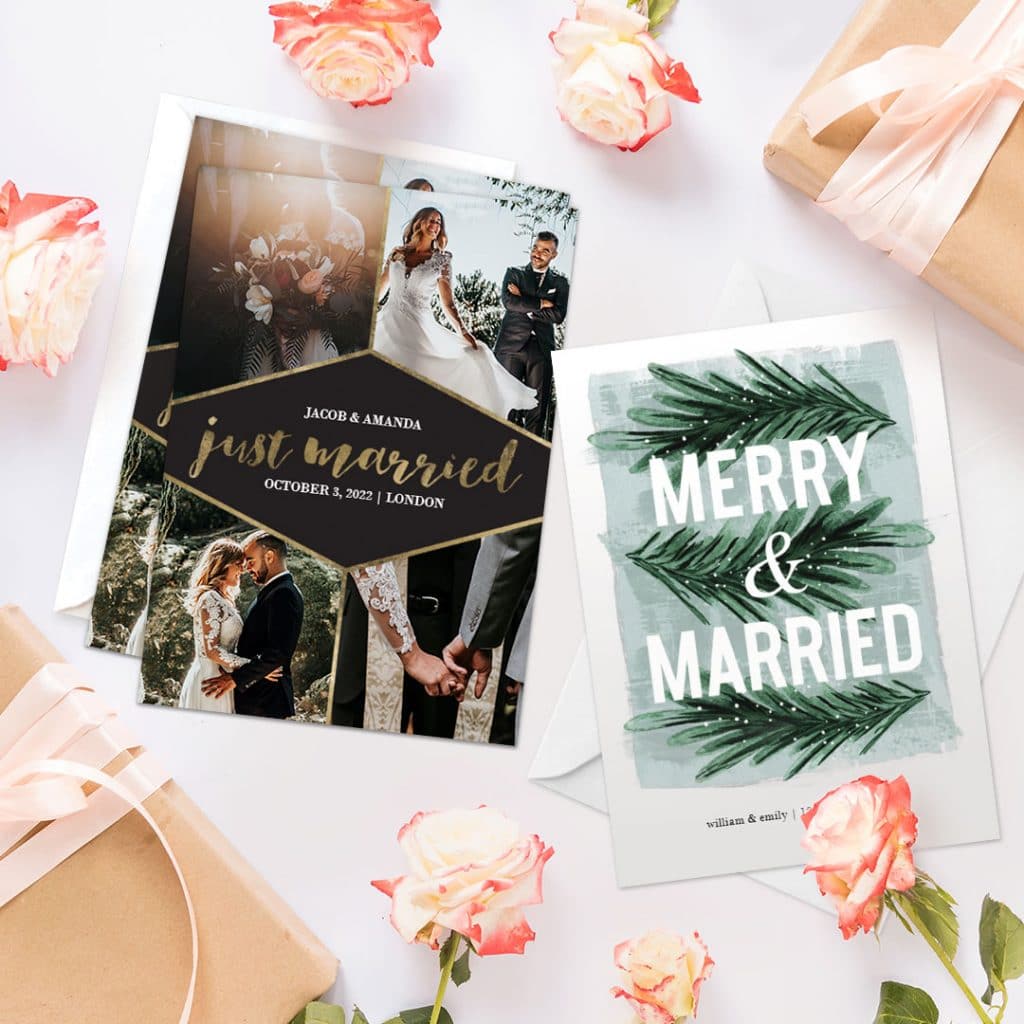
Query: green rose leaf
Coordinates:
[904,1004]
[446,950]
[657,10]
[1001,942]
[931,909]
[321,1013]
[460,969]
[422,1016]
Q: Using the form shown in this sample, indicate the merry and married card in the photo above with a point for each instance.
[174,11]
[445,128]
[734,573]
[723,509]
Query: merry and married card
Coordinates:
[773,586]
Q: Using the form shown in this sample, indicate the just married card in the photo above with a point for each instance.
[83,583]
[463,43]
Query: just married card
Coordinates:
[773,586]
[207,167]
[355,384]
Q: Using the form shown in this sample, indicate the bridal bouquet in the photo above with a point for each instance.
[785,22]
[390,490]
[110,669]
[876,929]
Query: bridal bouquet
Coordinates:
[292,286]
[860,837]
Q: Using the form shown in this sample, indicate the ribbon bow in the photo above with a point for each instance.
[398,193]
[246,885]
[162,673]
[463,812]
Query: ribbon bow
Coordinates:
[55,735]
[904,186]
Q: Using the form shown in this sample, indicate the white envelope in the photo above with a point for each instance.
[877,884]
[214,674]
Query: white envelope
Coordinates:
[144,262]
[986,422]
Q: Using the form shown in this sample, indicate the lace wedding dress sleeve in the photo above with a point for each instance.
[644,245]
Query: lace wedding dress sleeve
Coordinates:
[211,614]
[444,266]
[379,589]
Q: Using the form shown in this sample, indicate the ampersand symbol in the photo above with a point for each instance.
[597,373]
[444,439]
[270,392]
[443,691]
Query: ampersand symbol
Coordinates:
[771,562]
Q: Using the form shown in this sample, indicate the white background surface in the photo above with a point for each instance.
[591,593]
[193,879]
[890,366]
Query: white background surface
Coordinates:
[316,810]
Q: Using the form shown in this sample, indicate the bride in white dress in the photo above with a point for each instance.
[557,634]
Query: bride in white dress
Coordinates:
[216,624]
[407,332]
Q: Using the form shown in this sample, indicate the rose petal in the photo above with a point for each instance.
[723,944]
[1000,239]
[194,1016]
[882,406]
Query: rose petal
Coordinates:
[500,931]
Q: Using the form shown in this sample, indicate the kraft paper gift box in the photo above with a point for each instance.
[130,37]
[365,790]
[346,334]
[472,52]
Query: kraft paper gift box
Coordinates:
[980,263]
[105,935]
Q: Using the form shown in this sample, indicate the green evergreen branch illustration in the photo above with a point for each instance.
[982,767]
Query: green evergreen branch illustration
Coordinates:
[830,547]
[704,415]
[811,728]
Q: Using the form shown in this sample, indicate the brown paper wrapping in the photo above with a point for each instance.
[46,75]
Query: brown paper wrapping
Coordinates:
[104,938]
[980,264]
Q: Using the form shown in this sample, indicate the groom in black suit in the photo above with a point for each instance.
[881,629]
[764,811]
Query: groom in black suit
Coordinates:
[270,634]
[536,298]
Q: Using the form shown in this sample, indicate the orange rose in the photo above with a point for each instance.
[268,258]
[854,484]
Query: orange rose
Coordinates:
[50,265]
[356,50]
[859,837]
[311,282]
[663,974]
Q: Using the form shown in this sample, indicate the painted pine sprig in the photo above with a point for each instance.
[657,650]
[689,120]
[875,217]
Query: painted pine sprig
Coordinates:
[810,728]
[830,547]
[716,412]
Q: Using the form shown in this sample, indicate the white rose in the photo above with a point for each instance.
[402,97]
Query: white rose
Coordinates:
[613,79]
[260,303]
[50,266]
[662,975]
[259,249]
[471,872]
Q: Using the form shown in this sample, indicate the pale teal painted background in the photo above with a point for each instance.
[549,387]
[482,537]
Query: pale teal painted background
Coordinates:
[645,606]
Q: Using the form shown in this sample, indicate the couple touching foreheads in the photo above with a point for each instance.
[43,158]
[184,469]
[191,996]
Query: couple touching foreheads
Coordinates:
[243,664]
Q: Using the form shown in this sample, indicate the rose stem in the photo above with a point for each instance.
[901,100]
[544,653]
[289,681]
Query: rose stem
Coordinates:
[946,962]
[446,973]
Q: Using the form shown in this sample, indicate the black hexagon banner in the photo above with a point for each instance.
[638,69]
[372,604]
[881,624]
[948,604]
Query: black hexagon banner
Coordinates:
[357,460]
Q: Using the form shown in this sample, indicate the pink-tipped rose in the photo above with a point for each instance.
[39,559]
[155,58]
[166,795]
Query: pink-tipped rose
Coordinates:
[614,81]
[859,837]
[472,873]
[356,50]
[50,265]
[662,975]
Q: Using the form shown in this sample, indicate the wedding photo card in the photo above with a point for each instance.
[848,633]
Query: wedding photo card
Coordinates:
[773,584]
[132,406]
[364,376]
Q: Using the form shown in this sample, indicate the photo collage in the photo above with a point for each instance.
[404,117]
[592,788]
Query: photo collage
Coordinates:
[330,502]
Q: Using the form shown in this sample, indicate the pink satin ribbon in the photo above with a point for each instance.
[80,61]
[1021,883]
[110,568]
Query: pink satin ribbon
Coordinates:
[904,186]
[54,735]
